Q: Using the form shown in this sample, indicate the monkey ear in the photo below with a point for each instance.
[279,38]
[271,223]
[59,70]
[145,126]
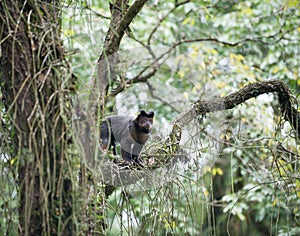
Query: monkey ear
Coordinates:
[150,113]
[142,113]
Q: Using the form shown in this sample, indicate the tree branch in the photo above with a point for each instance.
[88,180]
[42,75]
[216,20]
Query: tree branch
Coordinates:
[202,107]
[130,15]
[253,90]
[119,23]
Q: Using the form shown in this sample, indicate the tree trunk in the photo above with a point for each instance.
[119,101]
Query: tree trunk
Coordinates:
[35,87]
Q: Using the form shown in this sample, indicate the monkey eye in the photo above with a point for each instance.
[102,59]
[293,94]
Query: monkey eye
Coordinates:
[145,120]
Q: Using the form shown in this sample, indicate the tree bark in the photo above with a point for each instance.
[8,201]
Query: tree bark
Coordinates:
[34,84]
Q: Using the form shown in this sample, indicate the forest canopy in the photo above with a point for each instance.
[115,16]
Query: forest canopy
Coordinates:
[223,80]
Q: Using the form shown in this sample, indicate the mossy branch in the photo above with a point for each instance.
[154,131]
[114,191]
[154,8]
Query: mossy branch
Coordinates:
[201,107]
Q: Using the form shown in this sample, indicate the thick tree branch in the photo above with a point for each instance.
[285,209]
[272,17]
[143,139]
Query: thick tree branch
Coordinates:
[127,19]
[121,19]
[289,112]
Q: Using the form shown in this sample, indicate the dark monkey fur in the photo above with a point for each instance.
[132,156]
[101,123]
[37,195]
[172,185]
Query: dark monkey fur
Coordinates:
[131,132]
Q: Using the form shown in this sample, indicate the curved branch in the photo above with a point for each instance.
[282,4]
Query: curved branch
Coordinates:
[160,21]
[141,77]
[253,90]
[201,107]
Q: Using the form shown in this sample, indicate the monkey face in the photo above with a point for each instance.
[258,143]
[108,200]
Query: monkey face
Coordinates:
[145,124]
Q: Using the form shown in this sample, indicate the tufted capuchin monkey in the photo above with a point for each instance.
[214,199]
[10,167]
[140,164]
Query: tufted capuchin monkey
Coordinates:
[131,132]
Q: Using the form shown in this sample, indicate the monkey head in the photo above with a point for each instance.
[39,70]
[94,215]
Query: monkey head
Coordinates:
[143,121]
